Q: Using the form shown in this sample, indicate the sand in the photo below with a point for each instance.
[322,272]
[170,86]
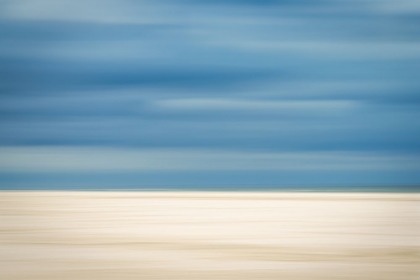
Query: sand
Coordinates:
[209,235]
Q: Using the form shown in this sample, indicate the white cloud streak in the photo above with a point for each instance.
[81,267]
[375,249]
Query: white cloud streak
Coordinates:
[93,11]
[240,104]
[332,50]
[394,7]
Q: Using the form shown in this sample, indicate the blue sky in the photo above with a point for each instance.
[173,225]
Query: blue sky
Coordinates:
[157,93]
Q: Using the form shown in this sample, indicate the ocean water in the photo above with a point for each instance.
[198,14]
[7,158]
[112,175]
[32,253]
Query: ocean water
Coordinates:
[218,188]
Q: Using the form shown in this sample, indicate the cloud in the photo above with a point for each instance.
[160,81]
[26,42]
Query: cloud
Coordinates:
[395,6]
[331,50]
[244,104]
[103,12]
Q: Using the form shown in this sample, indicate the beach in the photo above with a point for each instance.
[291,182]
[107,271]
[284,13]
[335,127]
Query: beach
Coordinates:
[209,235]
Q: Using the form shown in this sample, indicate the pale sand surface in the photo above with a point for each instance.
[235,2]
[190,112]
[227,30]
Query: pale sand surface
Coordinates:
[209,235]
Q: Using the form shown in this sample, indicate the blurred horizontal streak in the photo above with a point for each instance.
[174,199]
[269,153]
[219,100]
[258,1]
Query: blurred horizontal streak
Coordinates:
[102,12]
[53,159]
[329,50]
[243,104]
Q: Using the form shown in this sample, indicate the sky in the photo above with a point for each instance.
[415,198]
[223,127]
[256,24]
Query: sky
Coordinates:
[255,94]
